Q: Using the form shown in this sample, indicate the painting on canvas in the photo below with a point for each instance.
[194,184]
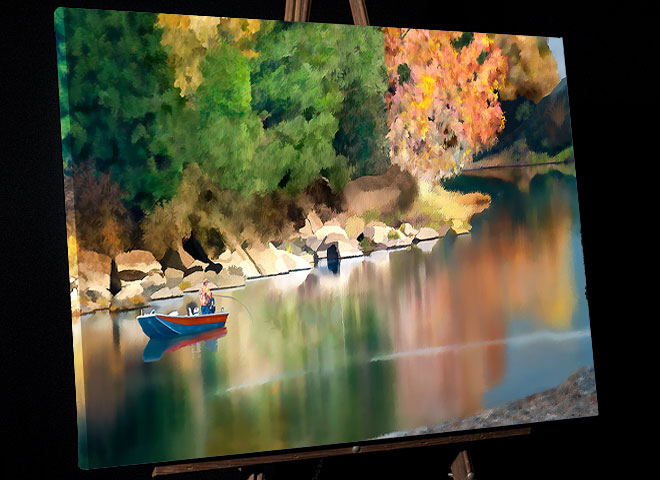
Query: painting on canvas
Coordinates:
[288,235]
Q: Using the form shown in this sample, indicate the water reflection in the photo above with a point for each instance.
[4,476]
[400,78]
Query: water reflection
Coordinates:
[156,347]
[357,348]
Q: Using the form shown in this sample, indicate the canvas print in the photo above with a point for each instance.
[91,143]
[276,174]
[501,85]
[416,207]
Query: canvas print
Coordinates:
[288,235]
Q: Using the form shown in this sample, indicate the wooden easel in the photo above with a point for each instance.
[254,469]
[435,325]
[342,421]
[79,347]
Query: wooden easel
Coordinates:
[461,466]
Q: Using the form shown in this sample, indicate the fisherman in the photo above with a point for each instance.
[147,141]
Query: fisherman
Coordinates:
[206,300]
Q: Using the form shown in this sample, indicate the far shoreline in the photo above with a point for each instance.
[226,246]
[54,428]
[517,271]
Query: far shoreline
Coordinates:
[517,165]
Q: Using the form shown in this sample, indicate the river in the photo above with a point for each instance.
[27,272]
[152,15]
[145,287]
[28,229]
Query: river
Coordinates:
[357,349]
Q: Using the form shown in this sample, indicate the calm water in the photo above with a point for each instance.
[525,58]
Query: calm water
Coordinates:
[397,340]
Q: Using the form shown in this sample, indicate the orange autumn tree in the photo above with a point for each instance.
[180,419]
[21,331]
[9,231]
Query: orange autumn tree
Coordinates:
[443,104]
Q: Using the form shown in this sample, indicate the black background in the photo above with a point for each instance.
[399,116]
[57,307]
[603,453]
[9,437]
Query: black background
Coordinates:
[38,396]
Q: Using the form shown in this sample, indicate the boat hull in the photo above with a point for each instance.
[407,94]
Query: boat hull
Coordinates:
[156,325]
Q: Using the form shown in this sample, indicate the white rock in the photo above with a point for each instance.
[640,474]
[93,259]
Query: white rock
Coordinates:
[136,264]
[130,296]
[408,230]
[426,233]
[269,260]
[326,230]
[239,259]
[296,262]
[154,280]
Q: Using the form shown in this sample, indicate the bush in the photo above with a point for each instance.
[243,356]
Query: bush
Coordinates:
[103,224]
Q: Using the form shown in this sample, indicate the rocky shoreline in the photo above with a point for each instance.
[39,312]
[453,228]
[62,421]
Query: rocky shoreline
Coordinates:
[132,279]
[574,397]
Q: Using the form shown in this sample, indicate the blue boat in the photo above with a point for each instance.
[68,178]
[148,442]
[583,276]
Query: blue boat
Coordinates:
[158,325]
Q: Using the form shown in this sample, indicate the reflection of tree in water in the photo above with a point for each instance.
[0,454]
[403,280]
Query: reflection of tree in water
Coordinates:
[125,424]
[463,294]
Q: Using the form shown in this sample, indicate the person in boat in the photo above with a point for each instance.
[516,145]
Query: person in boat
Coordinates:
[206,300]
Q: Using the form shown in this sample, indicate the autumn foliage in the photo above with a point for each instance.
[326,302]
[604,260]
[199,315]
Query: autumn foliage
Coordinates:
[532,67]
[443,98]
[188,37]
[103,224]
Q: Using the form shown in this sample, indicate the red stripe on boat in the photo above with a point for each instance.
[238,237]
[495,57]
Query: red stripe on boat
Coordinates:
[201,320]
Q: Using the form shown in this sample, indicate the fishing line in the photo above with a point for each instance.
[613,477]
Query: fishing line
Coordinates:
[239,302]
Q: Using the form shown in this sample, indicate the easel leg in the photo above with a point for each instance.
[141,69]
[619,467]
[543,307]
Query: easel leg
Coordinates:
[297,10]
[461,467]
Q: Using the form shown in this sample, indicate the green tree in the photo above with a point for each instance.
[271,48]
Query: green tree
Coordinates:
[296,90]
[63,88]
[318,83]
[362,78]
[126,117]
[230,132]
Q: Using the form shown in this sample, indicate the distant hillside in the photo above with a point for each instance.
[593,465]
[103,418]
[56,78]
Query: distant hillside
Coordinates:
[543,128]
[548,129]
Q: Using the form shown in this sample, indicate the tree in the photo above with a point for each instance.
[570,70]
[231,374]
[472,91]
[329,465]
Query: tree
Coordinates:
[442,98]
[63,88]
[188,38]
[532,68]
[122,101]
[362,79]
[102,222]
[296,92]
[229,131]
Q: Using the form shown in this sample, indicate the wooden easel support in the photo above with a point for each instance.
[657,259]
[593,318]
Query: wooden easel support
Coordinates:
[394,445]
[298,11]
[461,467]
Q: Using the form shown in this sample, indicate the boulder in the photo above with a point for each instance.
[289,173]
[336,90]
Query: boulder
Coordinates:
[313,243]
[173,277]
[312,224]
[326,230]
[153,282]
[94,299]
[354,226]
[426,233]
[340,248]
[348,249]
[314,221]
[167,292]
[384,236]
[94,270]
[136,264]
[296,262]
[269,260]
[230,277]
[379,233]
[130,296]
[296,247]
[408,230]
[239,259]
[193,281]
[401,240]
